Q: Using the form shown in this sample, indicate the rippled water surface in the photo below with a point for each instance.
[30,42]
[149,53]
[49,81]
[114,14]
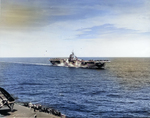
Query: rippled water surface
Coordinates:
[120,90]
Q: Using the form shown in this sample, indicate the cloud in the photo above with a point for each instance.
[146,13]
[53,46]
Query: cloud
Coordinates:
[20,17]
[28,14]
[96,28]
[33,14]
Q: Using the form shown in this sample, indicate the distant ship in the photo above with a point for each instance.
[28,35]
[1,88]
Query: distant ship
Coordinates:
[73,61]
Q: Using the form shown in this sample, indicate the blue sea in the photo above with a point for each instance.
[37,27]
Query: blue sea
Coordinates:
[122,89]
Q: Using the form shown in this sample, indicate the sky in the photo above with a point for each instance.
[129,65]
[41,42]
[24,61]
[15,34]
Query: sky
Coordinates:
[89,28]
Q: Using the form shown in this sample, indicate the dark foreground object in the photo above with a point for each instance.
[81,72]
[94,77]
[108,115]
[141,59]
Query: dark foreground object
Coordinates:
[40,108]
[20,111]
[6,99]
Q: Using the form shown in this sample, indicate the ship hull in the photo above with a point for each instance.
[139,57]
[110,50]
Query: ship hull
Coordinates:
[78,64]
[73,61]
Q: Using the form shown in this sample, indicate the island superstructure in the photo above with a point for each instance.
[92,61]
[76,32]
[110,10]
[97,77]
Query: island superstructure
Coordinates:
[73,61]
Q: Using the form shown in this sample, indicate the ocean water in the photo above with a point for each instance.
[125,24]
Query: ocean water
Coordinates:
[122,89]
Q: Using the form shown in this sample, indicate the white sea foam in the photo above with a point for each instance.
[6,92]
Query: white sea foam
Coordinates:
[42,64]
